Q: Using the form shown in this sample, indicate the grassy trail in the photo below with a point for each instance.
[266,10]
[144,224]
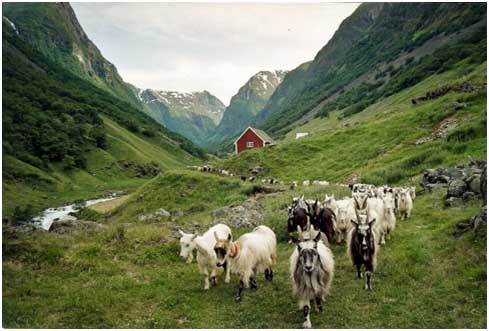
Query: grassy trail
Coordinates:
[426,278]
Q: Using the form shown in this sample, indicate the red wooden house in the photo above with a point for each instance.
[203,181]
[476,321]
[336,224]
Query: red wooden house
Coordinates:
[252,138]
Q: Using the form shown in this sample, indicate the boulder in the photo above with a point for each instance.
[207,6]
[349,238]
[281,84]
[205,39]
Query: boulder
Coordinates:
[474,184]
[162,213]
[63,226]
[247,214]
[453,202]
[456,188]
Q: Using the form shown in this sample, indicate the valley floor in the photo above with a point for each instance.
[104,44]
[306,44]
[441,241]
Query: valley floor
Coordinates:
[130,276]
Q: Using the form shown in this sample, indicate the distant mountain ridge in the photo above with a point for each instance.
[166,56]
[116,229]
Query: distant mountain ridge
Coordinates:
[370,46]
[247,103]
[194,115]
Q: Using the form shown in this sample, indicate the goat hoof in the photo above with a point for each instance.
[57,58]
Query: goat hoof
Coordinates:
[306,325]
[238,299]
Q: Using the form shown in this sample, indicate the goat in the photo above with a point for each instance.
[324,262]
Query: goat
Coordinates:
[389,215]
[297,217]
[311,272]
[321,218]
[344,212]
[252,253]
[376,210]
[362,248]
[293,186]
[405,203]
[206,257]
[412,192]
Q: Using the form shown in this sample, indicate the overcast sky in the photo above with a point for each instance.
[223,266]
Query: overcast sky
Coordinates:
[216,47]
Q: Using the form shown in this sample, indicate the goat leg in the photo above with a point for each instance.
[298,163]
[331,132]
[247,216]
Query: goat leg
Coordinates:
[307,320]
[368,285]
[240,289]
[268,274]
[359,271]
[227,271]
[253,283]
[319,304]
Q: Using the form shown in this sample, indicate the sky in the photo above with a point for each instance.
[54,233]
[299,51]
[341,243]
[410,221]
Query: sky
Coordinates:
[215,47]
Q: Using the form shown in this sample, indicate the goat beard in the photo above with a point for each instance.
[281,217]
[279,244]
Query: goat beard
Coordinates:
[309,284]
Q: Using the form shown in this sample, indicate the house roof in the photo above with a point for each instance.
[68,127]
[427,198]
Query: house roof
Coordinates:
[260,133]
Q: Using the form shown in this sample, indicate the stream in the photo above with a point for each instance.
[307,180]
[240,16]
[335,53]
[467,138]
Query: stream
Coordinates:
[51,215]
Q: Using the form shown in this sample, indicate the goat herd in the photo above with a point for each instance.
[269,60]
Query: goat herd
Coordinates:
[363,221]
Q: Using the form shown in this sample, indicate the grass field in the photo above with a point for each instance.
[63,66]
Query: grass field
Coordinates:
[130,276]
[379,143]
[27,185]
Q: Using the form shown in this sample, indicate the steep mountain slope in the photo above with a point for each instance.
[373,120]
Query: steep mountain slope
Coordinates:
[247,104]
[53,29]
[63,134]
[369,47]
[391,141]
[194,115]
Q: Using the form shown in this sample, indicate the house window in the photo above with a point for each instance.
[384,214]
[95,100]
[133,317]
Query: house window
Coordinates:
[250,144]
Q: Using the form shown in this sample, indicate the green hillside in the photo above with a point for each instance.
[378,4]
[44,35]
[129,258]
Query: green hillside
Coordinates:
[379,143]
[60,131]
[378,43]
[53,29]
[129,275]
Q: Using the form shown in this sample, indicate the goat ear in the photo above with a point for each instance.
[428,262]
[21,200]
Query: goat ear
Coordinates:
[215,236]
[350,186]
[194,236]
[301,197]
[230,237]
[371,223]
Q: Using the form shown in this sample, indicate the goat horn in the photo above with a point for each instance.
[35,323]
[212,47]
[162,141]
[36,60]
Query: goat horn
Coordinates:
[356,213]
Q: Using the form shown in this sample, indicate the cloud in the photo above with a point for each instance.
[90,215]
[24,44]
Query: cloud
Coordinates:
[217,47]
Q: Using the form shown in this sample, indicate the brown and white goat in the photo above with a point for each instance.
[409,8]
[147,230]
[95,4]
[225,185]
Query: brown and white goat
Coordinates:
[252,253]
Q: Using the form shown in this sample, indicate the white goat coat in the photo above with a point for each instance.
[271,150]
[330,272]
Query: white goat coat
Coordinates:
[327,272]
[406,205]
[346,213]
[257,252]
[375,210]
[206,257]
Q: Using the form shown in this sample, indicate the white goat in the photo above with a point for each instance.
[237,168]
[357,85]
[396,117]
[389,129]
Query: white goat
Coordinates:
[311,272]
[252,253]
[389,215]
[206,257]
[376,210]
[346,213]
[412,192]
[405,203]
